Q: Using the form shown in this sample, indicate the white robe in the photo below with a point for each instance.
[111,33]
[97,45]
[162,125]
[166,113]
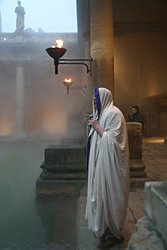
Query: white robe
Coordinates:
[108,176]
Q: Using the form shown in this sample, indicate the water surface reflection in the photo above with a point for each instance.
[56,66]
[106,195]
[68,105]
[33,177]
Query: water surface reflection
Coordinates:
[26,223]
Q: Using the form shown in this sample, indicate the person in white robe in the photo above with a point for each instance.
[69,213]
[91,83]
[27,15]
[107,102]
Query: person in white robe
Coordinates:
[108,170]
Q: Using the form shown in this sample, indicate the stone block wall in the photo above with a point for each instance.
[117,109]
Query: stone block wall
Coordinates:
[154,110]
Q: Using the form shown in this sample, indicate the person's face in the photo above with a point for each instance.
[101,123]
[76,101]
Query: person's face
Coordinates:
[94,102]
[133,110]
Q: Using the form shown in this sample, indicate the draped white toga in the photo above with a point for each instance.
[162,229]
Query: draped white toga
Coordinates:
[108,175]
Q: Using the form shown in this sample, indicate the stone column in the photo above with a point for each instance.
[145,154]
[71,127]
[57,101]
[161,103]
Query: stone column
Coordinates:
[102,47]
[20,102]
[88,79]
[89,87]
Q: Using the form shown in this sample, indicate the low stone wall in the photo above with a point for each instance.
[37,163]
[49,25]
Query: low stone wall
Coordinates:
[63,171]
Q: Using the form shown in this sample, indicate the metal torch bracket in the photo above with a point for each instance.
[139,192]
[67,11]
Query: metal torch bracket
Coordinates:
[77,61]
[83,88]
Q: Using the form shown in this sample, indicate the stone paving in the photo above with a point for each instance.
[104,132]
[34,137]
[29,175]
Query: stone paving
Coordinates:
[154,156]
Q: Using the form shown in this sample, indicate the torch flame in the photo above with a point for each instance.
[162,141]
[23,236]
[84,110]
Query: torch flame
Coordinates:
[59,43]
[67,80]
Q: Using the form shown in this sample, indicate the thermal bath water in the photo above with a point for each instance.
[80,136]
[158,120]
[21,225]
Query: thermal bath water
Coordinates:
[26,223]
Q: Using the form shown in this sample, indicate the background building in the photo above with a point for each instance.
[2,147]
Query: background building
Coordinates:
[33,100]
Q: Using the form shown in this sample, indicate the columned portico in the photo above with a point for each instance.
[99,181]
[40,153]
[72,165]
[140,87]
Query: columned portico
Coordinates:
[102,47]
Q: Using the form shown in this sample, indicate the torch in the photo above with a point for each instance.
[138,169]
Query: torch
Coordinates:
[56,53]
[68,83]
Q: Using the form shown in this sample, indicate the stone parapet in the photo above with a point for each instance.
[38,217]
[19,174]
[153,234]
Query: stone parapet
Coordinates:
[63,171]
[38,38]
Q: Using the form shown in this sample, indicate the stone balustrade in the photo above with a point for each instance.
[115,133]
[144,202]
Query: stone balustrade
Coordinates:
[33,37]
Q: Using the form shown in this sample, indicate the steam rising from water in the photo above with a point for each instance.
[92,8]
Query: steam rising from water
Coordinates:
[26,223]
[45,100]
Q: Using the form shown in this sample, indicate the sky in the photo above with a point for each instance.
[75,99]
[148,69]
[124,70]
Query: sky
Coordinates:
[49,15]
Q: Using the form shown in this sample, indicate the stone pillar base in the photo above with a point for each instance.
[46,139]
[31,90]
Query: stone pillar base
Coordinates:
[137,168]
[139,182]
[20,134]
[137,173]
[19,38]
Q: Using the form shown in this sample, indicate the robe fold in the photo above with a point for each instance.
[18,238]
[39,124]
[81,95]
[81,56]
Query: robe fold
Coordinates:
[108,169]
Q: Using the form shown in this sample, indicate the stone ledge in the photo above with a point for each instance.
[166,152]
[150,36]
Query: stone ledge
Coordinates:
[145,236]
[51,188]
[155,199]
[46,175]
[65,168]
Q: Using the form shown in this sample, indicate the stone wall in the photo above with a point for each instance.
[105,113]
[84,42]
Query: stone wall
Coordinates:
[140,64]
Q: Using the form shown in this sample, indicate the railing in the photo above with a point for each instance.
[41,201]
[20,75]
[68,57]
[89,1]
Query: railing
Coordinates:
[39,38]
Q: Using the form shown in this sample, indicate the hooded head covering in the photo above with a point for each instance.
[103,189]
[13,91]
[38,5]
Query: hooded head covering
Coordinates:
[103,99]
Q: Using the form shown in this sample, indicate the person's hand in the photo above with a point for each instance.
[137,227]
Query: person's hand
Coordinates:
[89,123]
[130,115]
[94,123]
